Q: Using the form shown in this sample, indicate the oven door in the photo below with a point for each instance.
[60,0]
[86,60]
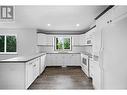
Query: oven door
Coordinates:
[84,61]
[85,64]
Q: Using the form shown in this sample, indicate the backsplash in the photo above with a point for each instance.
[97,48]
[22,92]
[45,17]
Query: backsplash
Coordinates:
[75,49]
[50,49]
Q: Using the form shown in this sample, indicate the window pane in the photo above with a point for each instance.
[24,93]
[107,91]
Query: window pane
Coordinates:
[66,43]
[59,43]
[11,44]
[2,38]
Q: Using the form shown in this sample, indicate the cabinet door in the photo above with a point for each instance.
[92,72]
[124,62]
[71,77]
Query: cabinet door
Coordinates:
[49,39]
[41,39]
[48,60]
[42,63]
[67,59]
[91,67]
[75,40]
[29,73]
[78,40]
[36,68]
[81,40]
[54,60]
[96,76]
[75,60]
[85,39]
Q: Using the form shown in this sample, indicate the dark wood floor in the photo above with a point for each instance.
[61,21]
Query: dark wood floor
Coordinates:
[62,78]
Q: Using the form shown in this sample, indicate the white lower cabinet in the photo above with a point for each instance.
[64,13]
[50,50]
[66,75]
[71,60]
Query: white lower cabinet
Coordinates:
[75,59]
[36,68]
[61,59]
[33,69]
[91,67]
[42,64]
[29,73]
[95,74]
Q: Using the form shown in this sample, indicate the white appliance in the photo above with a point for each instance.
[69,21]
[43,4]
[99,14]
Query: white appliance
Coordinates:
[111,52]
[85,64]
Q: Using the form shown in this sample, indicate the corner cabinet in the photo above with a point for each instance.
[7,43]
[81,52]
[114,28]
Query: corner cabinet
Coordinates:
[78,40]
[42,63]
[43,39]
[33,69]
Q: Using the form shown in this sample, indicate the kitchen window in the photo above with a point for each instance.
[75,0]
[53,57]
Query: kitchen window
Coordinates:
[8,44]
[62,43]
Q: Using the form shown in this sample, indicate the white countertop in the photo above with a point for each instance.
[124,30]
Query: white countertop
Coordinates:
[21,59]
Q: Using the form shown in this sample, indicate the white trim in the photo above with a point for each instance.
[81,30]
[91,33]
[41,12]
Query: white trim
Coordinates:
[5,43]
[4,53]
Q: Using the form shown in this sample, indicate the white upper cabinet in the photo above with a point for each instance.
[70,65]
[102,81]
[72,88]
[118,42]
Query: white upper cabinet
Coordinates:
[44,39]
[88,37]
[75,40]
[78,40]
[118,11]
[82,39]
[111,15]
[114,14]
[41,39]
[49,40]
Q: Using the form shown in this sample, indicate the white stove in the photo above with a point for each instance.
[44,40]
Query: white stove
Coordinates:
[85,64]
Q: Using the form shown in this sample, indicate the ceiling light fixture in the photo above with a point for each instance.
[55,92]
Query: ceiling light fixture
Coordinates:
[49,24]
[77,25]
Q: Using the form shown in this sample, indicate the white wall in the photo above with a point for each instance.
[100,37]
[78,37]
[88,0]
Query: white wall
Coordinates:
[26,41]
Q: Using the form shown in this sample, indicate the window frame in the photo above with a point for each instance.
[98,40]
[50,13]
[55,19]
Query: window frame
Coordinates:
[5,44]
[63,48]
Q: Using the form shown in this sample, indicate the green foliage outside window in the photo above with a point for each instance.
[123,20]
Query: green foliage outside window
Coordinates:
[2,38]
[63,43]
[11,44]
[66,43]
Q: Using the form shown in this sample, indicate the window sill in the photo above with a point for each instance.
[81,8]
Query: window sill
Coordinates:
[8,53]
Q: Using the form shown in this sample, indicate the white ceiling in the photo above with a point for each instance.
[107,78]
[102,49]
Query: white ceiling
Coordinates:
[62,18]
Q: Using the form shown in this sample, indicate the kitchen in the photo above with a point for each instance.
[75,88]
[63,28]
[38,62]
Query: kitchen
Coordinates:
[46,47]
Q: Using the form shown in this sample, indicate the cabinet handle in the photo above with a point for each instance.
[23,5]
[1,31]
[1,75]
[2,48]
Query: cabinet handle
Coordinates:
[34,65]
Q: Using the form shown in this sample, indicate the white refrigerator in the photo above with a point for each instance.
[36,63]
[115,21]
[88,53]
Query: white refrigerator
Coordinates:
[110,55]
